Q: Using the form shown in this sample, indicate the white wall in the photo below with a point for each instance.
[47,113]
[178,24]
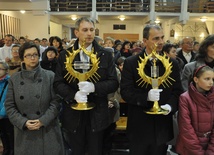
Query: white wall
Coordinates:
[55,29]
[34,26]
[66,32]
[196,30]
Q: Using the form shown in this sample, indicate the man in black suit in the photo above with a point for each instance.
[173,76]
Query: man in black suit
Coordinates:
[149,133]
[83,129]
[186,53]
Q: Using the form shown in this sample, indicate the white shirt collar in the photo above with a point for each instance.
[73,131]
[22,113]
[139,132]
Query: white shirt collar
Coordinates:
[186,54]
[85,57]
[87,48]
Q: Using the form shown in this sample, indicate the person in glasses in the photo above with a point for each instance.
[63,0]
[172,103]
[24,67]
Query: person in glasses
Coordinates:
[186,53]
[15,62]
[205,55]
[32,107]
[195,115]
[6,128]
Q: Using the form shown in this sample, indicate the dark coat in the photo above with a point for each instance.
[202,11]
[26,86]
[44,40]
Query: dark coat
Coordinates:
[142,127]
[181,56]
[195,118]
[106,84]
[31,96]
[49,65]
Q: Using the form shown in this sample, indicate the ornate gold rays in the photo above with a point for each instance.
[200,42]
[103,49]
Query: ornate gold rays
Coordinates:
[164,79]
[90,75]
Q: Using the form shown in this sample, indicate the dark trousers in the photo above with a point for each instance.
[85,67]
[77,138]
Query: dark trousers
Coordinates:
[7,136]
[147,149]
[84,140]
[108,138]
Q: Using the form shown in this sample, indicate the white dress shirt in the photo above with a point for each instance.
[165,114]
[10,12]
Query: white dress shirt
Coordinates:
[5,52]
[187,56]
[83,56]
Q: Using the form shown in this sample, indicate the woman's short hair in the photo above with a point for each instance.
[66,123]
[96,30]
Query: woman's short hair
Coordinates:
[202,52]
[58,39]
[25,46]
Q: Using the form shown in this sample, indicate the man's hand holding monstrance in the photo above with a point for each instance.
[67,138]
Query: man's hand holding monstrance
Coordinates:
[155,80]
[89,72]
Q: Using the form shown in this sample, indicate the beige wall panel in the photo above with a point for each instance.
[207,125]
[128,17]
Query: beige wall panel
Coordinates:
[122,37]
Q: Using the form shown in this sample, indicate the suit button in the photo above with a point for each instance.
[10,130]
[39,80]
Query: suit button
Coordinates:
[21,97]
[24,114]
[38,113]
[37,96]
[22,83]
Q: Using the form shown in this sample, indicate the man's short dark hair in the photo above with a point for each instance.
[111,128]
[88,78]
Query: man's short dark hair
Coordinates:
[147,29]
[87,19]
[10,35]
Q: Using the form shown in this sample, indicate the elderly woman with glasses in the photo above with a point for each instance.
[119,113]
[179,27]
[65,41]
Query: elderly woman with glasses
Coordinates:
[33,107]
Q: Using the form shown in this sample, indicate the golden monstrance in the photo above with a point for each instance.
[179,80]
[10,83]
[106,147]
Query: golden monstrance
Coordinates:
[90,73]
[155,80]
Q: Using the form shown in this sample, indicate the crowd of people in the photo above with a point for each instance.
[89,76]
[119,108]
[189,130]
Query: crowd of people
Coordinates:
[36,97]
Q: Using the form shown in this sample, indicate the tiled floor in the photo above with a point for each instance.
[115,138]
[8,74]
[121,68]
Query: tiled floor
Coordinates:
[114,152]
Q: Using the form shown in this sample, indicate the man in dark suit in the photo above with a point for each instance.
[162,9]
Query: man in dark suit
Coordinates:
[149,133]
[84,128]
[186,53]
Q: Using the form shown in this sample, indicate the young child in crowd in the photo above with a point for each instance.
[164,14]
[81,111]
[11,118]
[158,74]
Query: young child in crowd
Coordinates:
[49,59]
[6,128]
[170,51]
[195,117]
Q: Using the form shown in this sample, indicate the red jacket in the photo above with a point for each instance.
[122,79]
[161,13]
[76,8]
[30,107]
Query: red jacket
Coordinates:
[195,122]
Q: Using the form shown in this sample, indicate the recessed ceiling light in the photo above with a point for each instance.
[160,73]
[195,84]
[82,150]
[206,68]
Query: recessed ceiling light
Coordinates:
[157,21]
[122,18]
[203,19]
[22,11]
[73,17]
